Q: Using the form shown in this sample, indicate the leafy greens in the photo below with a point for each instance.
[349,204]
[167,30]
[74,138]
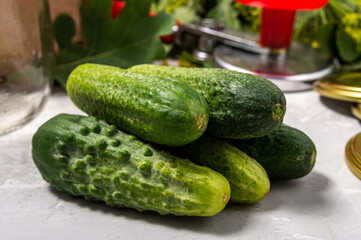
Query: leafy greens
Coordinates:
[132,38]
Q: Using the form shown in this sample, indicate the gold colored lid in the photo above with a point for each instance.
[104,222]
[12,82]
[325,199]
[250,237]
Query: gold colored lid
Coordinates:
[343,86]
[356,110]
[353,154]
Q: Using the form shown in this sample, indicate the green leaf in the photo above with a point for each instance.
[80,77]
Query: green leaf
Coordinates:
[186,14]
[325,36]
[64,30]
[225,13]
[185,11]
[346,45]
[132,38]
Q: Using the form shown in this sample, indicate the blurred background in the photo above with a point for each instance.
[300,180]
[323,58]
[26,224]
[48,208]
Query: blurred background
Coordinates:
[295,44]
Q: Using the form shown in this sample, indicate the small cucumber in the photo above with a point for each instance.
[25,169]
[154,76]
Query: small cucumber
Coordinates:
[286,153]
[156,109]
[87,157]
[241,105]
[247,178]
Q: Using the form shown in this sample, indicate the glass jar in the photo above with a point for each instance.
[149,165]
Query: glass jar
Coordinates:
[26,60]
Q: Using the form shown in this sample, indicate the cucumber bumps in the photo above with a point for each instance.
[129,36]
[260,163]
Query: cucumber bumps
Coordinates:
[248,180]
[87,157]
[241,105]
[156,109]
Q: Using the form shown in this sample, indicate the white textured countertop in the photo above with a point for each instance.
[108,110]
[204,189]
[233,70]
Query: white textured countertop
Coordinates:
[326,204]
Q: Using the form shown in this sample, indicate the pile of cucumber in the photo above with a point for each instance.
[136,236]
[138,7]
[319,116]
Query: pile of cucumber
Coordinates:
[182,141]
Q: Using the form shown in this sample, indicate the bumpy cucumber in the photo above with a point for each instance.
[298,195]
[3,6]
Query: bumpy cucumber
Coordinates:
[156,109]
[248,180]
[87,157]
[241,105]
[286,153]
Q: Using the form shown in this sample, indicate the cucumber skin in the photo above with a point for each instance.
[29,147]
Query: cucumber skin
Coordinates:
[241,105]
[156,109]
[248,179]
[286,153]
[87,157]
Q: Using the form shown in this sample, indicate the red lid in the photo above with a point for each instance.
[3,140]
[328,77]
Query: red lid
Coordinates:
[285,4]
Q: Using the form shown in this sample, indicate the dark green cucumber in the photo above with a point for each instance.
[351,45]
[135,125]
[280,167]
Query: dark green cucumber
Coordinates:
[286,153]
[156,109]
[241,105]
[87,157]
[248,180]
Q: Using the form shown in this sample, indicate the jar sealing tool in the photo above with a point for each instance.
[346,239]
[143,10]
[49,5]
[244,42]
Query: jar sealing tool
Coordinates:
[293,66]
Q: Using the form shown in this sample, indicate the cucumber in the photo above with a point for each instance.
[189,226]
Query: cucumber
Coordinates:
[248,180]
[241,105]
[90,158]
[286,153]
[156,109]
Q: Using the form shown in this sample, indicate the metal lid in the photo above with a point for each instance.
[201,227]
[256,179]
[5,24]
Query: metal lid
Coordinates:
[295,69]
[353,154]
[356,110]
[343,86]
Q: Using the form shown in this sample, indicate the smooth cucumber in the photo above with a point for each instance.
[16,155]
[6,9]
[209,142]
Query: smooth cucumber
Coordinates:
[156,109]
[286,153]
[90,158]
[248,180]
[241,105]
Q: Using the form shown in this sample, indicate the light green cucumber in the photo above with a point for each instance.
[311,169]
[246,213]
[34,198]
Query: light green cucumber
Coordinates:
[162,110]
[248,179]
